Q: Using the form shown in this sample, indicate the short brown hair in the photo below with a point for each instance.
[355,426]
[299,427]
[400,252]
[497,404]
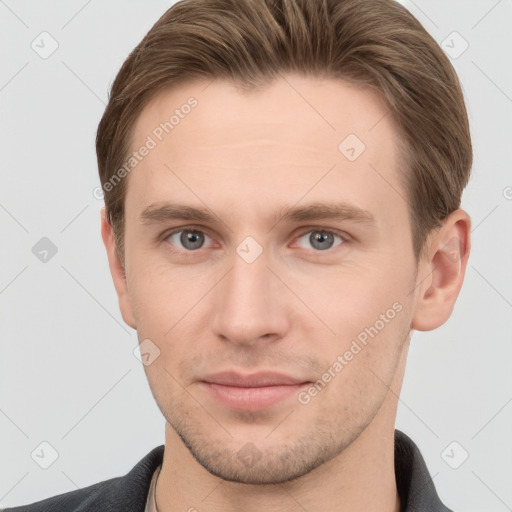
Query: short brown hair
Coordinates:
[375,43]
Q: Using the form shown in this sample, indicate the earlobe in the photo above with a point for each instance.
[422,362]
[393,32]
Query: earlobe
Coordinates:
[441,272]
[117,270]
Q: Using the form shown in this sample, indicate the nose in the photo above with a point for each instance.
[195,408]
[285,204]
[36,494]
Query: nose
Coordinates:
[251,303]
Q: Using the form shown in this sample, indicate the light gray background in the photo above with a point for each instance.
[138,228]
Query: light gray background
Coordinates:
[68,375]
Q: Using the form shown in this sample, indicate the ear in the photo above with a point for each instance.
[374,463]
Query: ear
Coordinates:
[441,271]
[117,271]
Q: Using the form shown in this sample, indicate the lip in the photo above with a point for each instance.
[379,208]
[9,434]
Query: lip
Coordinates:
[252,392]
[253,380]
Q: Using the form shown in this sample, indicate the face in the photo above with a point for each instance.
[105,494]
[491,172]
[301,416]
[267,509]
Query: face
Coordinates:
[300,264]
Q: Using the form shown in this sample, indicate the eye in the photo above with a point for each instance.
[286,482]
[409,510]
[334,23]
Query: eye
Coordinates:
[190,239]
[321,240]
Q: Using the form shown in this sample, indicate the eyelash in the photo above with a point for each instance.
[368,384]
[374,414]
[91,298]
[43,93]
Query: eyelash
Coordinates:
[342,235]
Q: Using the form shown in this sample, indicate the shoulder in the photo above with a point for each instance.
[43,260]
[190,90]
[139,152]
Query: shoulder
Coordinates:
[127,493]
[414,484]
[69,501]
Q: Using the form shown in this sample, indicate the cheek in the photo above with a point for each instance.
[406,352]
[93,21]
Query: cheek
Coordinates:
[168,304]
[359,365]
[350,300]
[151,279]
[368,312]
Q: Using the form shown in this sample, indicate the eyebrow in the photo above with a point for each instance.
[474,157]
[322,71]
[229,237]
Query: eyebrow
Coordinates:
[161,212]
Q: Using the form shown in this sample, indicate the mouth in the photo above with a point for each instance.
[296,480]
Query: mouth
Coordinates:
[253,392]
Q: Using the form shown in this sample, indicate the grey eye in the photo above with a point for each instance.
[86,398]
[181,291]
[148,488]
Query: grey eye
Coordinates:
[190,239]
[321,240]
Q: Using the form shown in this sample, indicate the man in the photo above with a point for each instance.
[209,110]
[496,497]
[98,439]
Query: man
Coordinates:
[282,186]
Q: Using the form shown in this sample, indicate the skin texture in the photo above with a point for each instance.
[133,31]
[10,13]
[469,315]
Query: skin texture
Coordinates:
[294,309]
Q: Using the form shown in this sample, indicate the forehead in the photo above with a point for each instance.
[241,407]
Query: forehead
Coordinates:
[297,137]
